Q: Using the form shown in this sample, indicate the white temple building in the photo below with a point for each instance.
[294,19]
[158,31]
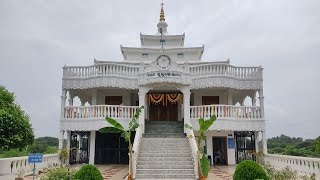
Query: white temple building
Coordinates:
[175,86]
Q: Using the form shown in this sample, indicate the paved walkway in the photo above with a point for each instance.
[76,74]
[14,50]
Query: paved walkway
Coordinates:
[118,172]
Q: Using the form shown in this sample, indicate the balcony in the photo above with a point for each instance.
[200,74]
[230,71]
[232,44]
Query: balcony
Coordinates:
[131,75]
[235,118]
[87,118]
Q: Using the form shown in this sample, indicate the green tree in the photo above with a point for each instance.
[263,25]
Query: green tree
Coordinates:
[15,128]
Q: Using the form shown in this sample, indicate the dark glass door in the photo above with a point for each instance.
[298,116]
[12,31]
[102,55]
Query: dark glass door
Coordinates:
[245,145]
[111,148]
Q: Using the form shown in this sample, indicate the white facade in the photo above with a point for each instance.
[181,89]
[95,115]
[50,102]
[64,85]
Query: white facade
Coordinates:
[163,64]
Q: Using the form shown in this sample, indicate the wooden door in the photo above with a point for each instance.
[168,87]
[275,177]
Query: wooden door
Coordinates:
[161,112]
[208,100]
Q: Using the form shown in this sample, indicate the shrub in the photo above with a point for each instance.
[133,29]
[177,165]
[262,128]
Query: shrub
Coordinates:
[249,170]
[88,172]
[61,173]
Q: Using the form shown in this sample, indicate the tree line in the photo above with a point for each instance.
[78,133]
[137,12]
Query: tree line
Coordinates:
[294,146]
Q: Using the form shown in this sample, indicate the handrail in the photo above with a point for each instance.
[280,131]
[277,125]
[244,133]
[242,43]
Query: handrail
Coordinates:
[303,165]
[99,111]
[226,111]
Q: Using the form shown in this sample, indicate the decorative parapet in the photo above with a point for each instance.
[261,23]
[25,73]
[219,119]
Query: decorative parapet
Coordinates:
[131,75]
[19,166]
[303,165]
[235,118]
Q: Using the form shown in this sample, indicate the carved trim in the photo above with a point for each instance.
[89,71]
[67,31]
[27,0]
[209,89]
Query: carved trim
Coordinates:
[233,125]
[119,82]
[88,124]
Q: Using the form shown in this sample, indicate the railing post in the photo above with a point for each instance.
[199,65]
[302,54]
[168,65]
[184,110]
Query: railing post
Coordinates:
[63,103]
[92,147]
[142,102]
[186,102]
[261,99]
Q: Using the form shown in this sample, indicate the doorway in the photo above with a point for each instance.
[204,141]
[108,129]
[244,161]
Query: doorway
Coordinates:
[245,145]
[219,147]
[164,107]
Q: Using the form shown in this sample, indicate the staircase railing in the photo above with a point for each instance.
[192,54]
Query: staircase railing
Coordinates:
[135,149]
[194,150]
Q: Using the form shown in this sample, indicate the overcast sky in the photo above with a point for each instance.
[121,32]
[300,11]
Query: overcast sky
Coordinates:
[38,37]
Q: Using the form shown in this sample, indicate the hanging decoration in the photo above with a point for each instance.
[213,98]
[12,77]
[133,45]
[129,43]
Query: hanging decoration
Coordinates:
[173,98]
[156,98]
[164,98]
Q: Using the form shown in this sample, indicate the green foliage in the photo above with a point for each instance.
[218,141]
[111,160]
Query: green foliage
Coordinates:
[50,141]
[294,146]
[204,165]
[51,150]
[118,128]
[14,153]
[64,154]
[45,145]
[15,128]
[286,174]
[249,170]
[88,172]
[37,148]
[61,173]
[204,125]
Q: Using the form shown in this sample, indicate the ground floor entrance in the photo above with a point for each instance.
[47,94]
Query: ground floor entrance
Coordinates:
[245,145]
[219,146]
[164,106]
[111,148]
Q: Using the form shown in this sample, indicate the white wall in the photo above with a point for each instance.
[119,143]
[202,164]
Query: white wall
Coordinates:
[223,95]
[230,152]
[113,92]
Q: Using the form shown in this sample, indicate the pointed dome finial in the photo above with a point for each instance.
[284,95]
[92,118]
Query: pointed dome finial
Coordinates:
[162,18]
[162,25]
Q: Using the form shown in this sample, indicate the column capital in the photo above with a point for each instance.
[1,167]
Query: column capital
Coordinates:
[185,90]
[143,90]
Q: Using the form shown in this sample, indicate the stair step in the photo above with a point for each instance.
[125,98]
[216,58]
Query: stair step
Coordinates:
[164,151]
[164,163]
[165,171]
[165,166]
[164,155]
[165,158]
[167,135]
[165,176]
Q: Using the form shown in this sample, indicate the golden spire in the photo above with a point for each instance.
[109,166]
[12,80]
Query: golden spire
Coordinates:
[162,13]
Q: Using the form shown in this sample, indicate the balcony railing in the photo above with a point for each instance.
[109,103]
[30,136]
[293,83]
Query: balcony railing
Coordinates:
[226,112]
[303,165]
[99,112]
[106,69]
[213,69]
[132,70]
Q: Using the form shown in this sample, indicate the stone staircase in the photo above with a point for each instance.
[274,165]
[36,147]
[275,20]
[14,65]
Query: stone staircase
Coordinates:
[164,152]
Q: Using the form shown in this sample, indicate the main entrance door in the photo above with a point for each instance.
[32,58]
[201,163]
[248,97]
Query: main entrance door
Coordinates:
[164,107]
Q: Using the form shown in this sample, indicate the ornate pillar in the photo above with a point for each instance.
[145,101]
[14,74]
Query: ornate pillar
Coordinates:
[264,142]
[186,102]
[253,99]
[142,102]
[94,97]
[261,99]
[92,150]
[63,102]
[61,133]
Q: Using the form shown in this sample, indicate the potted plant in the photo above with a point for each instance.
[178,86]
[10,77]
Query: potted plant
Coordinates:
[203,163]
[126,134]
